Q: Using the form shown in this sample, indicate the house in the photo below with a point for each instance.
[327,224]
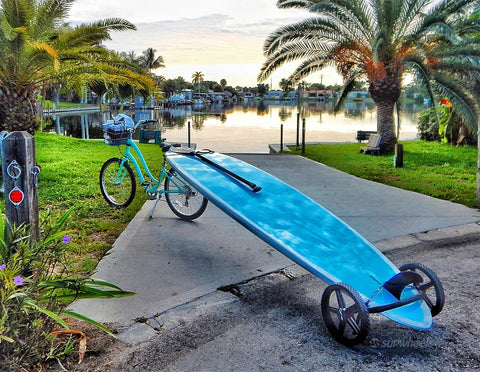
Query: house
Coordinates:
[358,95]
[318,95]
[273,94]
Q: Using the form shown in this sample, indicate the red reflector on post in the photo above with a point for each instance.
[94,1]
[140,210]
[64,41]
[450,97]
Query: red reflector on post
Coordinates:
[16,196]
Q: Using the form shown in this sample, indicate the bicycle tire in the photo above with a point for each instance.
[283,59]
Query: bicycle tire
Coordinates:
[189,204]
[119,193]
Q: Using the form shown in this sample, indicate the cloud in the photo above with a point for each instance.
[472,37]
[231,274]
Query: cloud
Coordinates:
[221,38]
[205,40]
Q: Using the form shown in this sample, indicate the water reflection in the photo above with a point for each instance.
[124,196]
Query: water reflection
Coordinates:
[252,124]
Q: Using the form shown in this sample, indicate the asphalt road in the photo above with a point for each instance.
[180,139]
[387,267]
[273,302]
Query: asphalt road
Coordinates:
[274,323]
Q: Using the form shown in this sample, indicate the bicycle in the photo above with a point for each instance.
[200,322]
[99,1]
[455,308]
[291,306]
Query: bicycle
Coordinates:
[117,180]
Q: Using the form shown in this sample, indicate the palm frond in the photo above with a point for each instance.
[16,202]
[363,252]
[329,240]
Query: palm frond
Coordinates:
[49,15]
[294,51]
[114,24]
[463,100]
[308,67]
[309,29]
[347,88]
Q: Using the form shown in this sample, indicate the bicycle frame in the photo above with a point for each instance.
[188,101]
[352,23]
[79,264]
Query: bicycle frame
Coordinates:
[155,183]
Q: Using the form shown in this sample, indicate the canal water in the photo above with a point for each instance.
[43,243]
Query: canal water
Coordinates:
[249,127]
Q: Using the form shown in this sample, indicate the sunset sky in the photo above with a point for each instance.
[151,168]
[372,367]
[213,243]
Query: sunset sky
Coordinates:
[223,39]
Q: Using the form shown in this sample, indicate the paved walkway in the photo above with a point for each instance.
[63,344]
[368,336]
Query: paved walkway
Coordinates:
[169,262]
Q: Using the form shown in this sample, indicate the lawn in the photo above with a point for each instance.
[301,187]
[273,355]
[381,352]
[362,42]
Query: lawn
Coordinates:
[439,170]
[69,179]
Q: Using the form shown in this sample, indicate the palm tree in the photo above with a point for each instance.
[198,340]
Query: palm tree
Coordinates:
[223,83]
[380,40]
[149,61]
[197,79]
[38,49]
[129,56]
[286,85]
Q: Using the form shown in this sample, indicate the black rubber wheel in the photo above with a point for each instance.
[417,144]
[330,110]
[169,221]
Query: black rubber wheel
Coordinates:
[345,314]
[188,204]
[431,286]
[117,185]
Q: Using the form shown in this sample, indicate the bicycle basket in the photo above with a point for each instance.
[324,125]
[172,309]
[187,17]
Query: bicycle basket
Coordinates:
[116,134]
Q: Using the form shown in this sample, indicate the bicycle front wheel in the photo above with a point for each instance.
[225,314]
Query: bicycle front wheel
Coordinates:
[117,183]
[183,199]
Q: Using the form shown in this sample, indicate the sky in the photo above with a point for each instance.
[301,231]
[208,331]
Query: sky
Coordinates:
[222,39]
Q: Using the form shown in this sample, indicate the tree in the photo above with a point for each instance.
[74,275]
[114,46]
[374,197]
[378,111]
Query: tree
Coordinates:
[286,85]
[38,49]
[223,83]
[262,89]
[379,40]
[130,56]
[148,60]
[169,86]
[197,79]
[303,86]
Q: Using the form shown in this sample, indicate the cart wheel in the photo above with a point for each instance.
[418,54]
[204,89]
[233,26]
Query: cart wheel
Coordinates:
[431,287]
[345,314]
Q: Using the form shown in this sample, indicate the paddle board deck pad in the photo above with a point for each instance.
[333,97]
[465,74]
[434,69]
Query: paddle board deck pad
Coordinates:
[302,230]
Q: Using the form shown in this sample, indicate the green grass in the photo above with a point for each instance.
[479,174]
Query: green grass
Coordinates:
[49,104]
[439,170]
[69,179]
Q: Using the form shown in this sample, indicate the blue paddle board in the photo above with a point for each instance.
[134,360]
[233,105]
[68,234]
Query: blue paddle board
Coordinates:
[301,229]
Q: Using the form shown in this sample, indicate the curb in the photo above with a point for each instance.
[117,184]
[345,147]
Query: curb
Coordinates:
[450,235]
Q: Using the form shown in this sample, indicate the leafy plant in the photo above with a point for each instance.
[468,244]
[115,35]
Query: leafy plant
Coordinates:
[443,124]
[35,287]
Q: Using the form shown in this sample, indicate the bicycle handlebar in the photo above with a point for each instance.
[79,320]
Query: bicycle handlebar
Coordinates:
[138,123]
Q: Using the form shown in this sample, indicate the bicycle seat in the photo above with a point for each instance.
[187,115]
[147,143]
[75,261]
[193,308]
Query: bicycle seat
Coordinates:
[166,146]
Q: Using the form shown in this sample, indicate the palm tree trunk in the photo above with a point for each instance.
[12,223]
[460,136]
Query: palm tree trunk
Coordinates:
[385,126]
[17,111]
[478,168]
[385,91]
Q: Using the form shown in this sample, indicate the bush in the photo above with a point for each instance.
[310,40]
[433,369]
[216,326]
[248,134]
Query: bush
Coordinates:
[428,126]
[35,288]
[448,127]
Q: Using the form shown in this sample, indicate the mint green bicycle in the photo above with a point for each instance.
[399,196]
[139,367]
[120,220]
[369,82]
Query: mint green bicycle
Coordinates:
[117,180]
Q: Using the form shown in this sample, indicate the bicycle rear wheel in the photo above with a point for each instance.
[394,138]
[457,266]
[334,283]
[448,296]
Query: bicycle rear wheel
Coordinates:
[117,183]
[183,199]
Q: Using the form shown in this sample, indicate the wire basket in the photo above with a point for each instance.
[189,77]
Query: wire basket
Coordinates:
[116,135]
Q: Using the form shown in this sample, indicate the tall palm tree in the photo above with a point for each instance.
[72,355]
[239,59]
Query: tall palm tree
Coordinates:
[149,61]
[38,49]
[223,83]
[197,79]
[380,40]
[286,85]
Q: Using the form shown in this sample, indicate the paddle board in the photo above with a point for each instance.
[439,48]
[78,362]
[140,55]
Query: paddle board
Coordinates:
[301,229]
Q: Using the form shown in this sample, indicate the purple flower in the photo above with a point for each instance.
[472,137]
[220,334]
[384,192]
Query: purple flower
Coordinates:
[18,280]
[66,239]
[3,267]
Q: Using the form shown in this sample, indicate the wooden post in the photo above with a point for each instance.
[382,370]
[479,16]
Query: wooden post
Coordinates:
[281,137]
[20,173]
[303,136]
[398,155]
[189,135]
[298,129]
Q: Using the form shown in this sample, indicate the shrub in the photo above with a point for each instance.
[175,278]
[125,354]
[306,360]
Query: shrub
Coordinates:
[35,288]
[448,127]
